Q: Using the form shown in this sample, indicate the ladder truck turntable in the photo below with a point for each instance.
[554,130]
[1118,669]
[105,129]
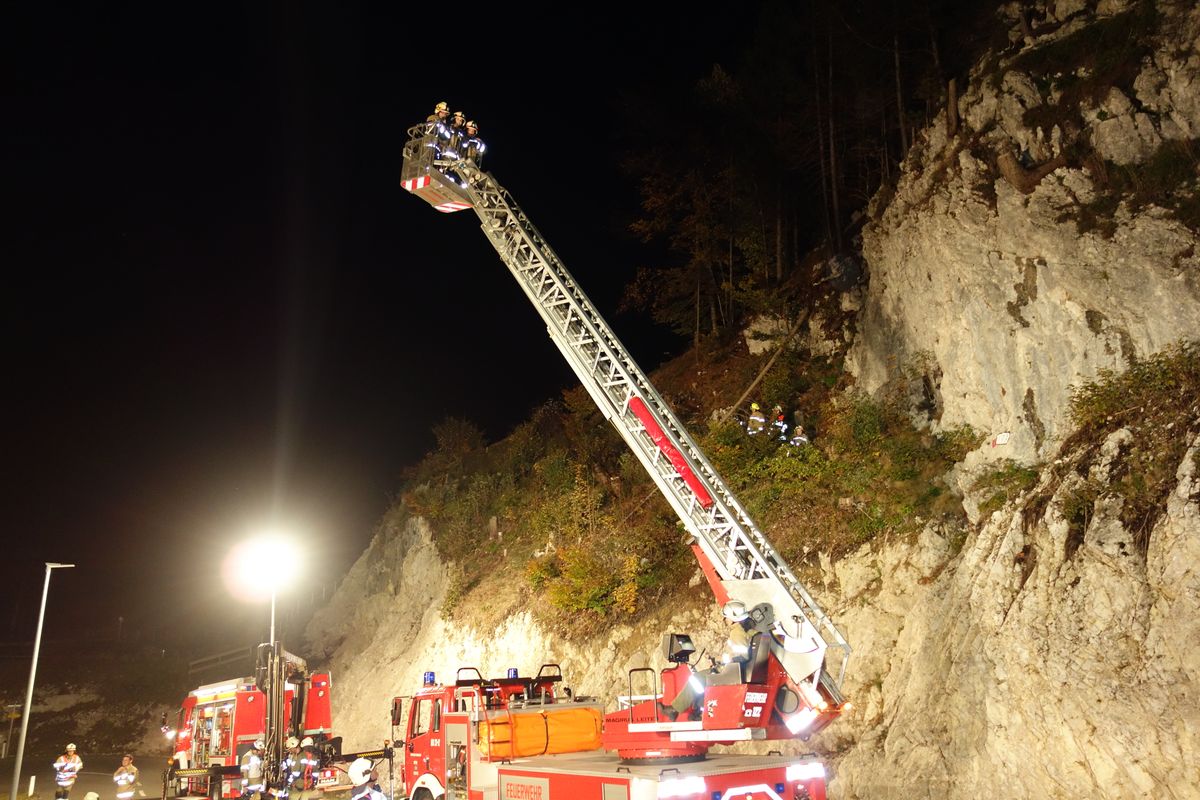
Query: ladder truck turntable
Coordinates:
[784,691]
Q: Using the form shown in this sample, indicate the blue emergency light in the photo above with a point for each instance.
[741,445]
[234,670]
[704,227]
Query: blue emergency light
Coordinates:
[512,672]
[429,678]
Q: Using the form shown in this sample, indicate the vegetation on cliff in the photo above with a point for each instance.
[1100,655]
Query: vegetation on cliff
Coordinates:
[563,504]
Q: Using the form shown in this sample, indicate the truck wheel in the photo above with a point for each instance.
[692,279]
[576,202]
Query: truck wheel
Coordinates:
[422,794]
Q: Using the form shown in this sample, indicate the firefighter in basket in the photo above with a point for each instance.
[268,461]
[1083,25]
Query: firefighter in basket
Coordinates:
[66,768]
[737,652]
[126,778]
[473,146]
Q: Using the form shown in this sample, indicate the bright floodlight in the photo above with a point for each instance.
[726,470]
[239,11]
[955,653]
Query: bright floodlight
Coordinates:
[259,568]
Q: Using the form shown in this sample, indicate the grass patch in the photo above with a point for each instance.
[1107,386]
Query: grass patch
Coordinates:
[1166,179]
[1004,483]
[1086,64]
[868,472]
[1155,399]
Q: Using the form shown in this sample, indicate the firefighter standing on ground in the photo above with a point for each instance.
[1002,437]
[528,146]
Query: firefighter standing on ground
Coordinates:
[310,762]
[290,768]
[126,778]
[252,770]
[66,768]
[363,778]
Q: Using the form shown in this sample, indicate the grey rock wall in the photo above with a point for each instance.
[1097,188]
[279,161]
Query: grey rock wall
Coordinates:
[998,288]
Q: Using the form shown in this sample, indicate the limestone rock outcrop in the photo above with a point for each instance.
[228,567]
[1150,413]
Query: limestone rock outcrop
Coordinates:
[1000,289]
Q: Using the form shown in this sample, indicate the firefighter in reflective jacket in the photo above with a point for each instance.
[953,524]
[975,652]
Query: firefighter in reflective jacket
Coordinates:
[362,775]
[66,768]
[252,770]
[437,127]
[126,778]
[290,768]
[737,651]
[779,424]
[757,421]
[473,147]
[310,763]
[456,136]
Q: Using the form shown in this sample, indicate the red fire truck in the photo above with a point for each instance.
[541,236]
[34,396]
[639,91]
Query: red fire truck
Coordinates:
[218,722]
[518,739]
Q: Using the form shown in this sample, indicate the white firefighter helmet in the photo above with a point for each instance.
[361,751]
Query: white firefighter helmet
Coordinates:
[291,742]
[735,611]
[360,771]
[71,747]
[259,744]
[307,741]
[91,796]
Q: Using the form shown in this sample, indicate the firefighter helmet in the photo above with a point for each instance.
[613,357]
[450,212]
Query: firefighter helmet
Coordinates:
[443,106]
[360,771]
[459,115]
[735,611]
[291,742]
[471,124]
[754,406]
[307,741]
[259,744]
[91,796]
[71,746]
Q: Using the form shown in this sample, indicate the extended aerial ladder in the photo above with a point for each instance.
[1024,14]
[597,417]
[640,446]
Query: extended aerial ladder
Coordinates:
[736,557]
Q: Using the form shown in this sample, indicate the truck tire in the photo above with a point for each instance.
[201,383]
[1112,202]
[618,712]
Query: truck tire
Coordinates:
[422,794]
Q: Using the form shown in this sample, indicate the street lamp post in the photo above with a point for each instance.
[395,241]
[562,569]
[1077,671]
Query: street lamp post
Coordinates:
[37,646]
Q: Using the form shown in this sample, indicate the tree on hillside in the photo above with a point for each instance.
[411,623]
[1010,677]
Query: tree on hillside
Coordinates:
[765,161]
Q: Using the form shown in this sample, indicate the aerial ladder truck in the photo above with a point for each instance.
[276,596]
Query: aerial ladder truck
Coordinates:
[790,686]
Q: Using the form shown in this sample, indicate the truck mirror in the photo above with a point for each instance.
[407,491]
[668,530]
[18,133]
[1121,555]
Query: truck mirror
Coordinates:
[397,710]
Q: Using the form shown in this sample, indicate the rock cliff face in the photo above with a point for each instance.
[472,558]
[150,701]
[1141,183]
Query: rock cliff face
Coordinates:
[1026,664]
[1034,651]
[995,294]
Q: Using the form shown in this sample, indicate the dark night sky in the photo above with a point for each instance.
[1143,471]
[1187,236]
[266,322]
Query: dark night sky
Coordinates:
[219,301]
